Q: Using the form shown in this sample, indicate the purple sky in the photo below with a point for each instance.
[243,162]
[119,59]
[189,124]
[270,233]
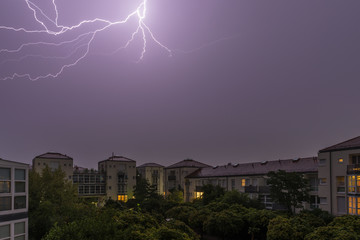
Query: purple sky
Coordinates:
[283,81]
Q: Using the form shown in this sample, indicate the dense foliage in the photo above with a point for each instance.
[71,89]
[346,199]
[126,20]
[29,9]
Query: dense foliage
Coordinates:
[57,213]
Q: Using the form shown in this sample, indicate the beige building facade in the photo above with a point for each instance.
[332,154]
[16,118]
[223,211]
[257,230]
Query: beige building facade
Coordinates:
[54,161]
[175,174]
[120,177]
[251,178]
[154,174]
[339,178]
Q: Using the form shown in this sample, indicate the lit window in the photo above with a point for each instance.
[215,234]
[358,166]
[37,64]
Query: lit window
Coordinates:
[198,194]
[322,181]
[340,160]
[243,182]
[123,198]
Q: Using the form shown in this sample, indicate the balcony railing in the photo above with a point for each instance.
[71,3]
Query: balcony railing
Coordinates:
[353,168]
[264,189]
[251,189]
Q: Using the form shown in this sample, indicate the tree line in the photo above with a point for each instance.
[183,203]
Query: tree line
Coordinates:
[57,213]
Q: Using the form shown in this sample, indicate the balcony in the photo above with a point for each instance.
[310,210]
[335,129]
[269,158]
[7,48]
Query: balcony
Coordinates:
[251,189]
[172,178]
[264,189]
[353,168]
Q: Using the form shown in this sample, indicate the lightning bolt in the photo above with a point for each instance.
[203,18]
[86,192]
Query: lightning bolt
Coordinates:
[80,45]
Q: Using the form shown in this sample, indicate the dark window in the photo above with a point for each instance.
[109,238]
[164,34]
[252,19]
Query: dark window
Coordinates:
[5,203]
[19,202]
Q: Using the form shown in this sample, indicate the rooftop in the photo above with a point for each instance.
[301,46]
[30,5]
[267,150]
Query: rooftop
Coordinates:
[188,163]
[346,145]
[53,155]
[150,165]
[12,162]
[118,158]
[258,168]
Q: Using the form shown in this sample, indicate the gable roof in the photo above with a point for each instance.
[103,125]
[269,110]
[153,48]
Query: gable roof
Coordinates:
[302,165]
[346,145]
[118,158]
[150,165]
[54,155]
[188,163]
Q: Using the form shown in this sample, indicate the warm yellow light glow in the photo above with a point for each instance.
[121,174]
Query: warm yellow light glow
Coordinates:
[243,182]
[198,194]
[340,160]
[123,198]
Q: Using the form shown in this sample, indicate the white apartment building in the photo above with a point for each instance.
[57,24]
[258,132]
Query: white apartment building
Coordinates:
[154,174]
[13,200]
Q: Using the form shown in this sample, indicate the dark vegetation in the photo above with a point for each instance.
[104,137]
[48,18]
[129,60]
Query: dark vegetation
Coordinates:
[56,213]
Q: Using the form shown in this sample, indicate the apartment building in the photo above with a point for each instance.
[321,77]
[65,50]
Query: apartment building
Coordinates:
[120,174]
[175,174]
[251,178]
[339,178]
[54,161]
[14,192]
[91,183]
[154,174]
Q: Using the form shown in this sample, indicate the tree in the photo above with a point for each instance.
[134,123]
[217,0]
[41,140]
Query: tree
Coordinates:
[144,191]
[289,189]
[211,193]
[280,228]
[52,199]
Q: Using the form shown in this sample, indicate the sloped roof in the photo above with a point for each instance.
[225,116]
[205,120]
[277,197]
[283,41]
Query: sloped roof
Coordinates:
[54,155]
[346,145]
[150,165]
[188,163]
[258,168]
[119,159]
[12,162]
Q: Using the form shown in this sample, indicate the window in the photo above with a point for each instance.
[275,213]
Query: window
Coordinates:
[20,180]
[323,200]
[322,181]
[266,200]
[5,231]
[340,160]
[54,166]
[341,208]
[254,182]
[340,184]
[5,203]
[355,159]
[123,198]
[232,184]
[5,180]
[322,161]
[19,202]
[245,182]
[19,231]
[354,184]
[354,205]
[198,194]
[314,184]
[314,202]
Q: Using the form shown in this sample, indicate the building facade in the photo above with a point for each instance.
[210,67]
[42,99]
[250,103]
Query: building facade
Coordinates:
[251,178]
[14,192]
[154,174]
[120,175]
[175,174]
[54,161]
[339,178]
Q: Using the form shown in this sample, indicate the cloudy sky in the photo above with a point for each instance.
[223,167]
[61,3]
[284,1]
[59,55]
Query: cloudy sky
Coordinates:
[247,80]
